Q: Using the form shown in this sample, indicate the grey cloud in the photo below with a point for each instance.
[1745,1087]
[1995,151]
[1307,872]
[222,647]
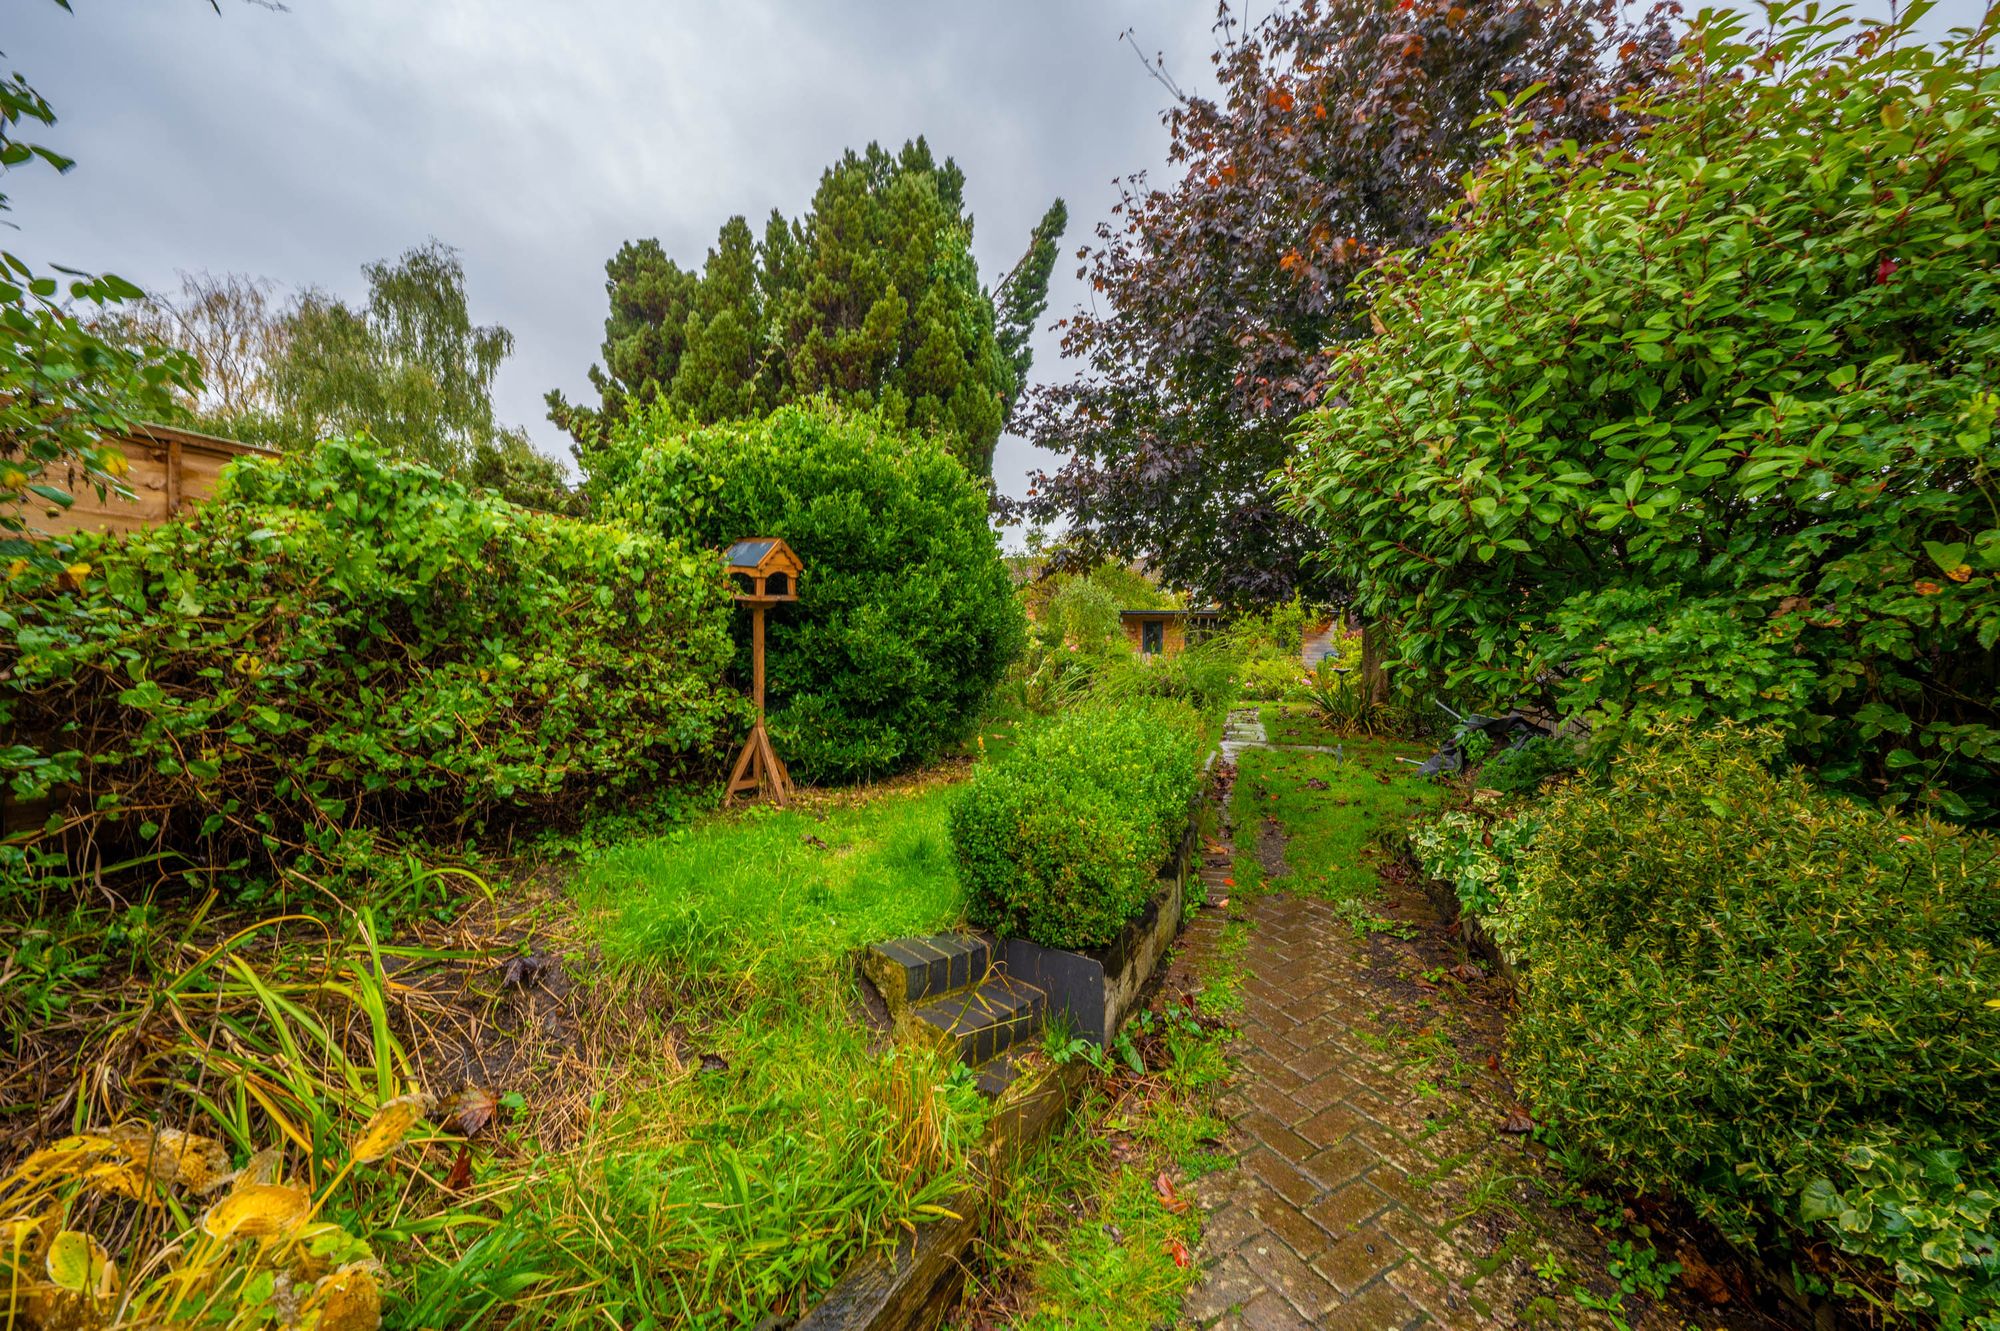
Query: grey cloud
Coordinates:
[536,137]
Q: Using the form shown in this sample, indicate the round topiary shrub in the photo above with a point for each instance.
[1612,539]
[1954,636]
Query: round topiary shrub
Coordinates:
[906,617]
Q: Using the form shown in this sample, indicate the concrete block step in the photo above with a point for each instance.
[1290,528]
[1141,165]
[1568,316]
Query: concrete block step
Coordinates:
[987,1020]
[910,970]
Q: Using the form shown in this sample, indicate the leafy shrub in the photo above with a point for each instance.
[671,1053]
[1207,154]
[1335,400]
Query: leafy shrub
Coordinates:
[1339,699]
[1061,841]
[1733,457]
[337,641]
[1524,768]
[1776,1002]
[1480,858]
[1202,676]
[1081,615]
[906,616]
[1268,676]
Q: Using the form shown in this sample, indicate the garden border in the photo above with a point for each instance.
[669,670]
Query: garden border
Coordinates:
[913,1285]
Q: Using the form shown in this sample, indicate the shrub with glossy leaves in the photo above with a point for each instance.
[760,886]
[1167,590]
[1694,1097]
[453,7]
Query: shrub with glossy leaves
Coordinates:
[1777,1003]
[338,641]
[1701,426]
[1062,840]
[906,616]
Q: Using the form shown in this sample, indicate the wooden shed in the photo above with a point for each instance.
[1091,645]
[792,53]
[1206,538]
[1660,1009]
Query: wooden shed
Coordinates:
[171,468]
[1168,632]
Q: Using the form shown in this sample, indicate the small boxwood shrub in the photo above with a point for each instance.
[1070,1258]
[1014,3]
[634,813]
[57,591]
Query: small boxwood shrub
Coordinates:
[906,617]
[337,642]
[1061,841]
[1775,1002]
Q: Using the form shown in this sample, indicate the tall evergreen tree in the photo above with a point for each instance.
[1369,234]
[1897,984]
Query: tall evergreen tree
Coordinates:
[872,299]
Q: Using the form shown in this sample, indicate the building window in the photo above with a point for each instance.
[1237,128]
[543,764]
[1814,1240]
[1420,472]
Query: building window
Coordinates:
[1152,636]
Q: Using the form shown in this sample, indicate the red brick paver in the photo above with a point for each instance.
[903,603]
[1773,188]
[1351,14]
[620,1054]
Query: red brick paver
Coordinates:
[1375,1186]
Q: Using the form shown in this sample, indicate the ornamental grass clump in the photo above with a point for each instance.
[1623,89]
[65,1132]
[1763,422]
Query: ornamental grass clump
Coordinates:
[1779,1004]
[1062,840]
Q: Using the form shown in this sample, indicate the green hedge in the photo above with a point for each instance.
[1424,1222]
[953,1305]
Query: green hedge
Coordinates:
[1772,1001]
[1062,840]
[906,617]
[339,642]
[1702,426]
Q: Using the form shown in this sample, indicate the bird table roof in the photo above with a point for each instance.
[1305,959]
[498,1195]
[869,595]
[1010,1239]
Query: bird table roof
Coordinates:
[761,554]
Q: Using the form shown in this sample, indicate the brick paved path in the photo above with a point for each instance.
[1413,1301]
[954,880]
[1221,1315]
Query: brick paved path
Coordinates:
[1375,1184]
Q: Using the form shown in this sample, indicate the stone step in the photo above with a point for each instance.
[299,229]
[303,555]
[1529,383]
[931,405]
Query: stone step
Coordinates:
[910,970]
[999,1073]
[988,1020]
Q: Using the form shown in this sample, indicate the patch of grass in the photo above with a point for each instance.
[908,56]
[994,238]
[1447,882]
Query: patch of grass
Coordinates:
[780,1141]
[1088,1234]
[1296,723]
[995,732]
[1221,992]
[1336,810]
[766,896]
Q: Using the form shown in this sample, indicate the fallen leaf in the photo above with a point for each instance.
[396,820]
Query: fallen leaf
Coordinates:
[519,972]
[1468,972]
[1165,1187]
[255,1211]
[79,1263]
[1115,1234]
[1493,1062]
[714,1063]
[1518,1121]
[1315,783]
[391,1123]
[461,1170]
[1702,1280]
[1178,1251]
[813,841]
[347,1300]
[472,1109]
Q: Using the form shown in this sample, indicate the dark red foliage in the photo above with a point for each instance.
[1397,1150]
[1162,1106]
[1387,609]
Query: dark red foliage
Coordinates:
[1341,128]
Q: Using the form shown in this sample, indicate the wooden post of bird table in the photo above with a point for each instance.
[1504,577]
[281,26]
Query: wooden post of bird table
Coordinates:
[765,573]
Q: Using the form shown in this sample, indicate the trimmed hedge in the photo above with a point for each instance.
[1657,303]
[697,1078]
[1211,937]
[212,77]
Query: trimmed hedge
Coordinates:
[338,642]
[1062,840]
[1774,1002]
[906,616]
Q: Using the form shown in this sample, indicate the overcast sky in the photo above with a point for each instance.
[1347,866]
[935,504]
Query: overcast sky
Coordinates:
[537,135]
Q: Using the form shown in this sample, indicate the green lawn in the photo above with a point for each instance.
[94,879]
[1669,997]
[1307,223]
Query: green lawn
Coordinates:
[769,896]
[1334,829]
[774,1138]
[1295,723]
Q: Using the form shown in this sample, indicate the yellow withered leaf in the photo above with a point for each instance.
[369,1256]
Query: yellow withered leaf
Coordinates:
[120,1178]
[267,1166]
[171,1156]
[201,1164]
[78,1263]
[66,1156]
[347,1300]
[256,1211]
[391,1123]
